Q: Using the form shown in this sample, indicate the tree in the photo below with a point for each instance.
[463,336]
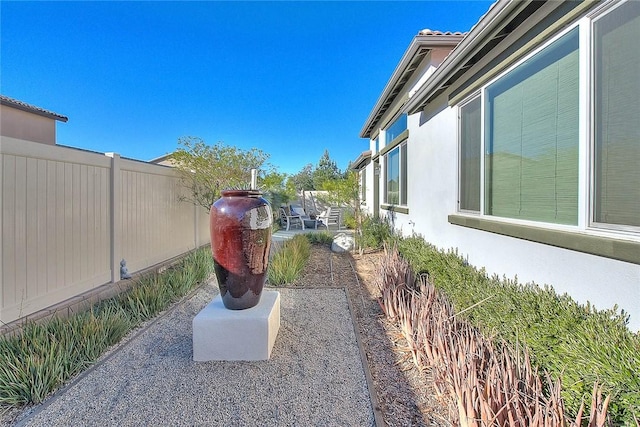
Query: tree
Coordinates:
[326,170]
[303,180]
[207,170]
[275,187]
[345,190]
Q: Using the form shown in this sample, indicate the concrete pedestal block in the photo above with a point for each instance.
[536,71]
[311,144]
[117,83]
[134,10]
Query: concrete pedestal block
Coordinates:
[223,334]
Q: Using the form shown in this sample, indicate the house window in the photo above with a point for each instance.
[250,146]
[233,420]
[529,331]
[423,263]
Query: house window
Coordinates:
[396,176]
[396,128]
[531,137]
[616,151]
[470,149]
[530,141]
[560,140]
[363,185]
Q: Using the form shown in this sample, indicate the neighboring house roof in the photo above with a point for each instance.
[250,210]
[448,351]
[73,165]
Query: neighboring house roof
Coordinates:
[166,160]
[161,158]
[422,43]
[5,100]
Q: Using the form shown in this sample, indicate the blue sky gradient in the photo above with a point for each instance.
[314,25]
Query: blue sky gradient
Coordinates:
[290,78]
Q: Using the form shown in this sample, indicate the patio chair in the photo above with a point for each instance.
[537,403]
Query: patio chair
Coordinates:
[290,218]
[308,220]
[332,216]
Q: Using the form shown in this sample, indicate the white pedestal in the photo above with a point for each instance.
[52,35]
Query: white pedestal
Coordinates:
[222,334]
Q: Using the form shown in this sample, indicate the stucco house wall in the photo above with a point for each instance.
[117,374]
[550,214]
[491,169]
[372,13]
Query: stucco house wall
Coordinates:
[602,267]
[27,122]
[433,146]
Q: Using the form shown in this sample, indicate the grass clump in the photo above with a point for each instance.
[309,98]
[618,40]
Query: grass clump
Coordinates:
[45,355]
[576,343]
[289,260]
[374,233]
[319,238]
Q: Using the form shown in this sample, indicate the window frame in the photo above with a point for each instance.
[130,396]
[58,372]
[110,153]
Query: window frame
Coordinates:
[391,145]
[403,178]
[589,29]
[395,126]
[494,194]
[477,96]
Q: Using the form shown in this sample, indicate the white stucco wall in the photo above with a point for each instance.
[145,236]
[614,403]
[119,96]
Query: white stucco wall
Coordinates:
[432,195]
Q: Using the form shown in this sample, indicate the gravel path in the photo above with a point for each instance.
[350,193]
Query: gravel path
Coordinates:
[315,375]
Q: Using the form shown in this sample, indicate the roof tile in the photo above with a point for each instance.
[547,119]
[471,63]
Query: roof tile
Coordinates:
[5,100]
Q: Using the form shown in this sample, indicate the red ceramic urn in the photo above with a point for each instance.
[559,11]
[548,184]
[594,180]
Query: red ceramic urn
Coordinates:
[240,225]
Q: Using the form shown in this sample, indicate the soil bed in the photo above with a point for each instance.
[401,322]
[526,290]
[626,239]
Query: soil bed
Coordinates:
[405,395]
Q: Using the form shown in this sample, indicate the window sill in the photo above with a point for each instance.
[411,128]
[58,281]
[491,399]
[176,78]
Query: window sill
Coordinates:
[395,208]
[622,250]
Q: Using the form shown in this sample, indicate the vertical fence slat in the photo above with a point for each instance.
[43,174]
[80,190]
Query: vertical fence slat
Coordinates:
[42,230]
[8,229]
[61,211]
[19,287]
[53,235]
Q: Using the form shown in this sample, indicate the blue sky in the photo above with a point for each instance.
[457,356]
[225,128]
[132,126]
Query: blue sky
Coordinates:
[289,78]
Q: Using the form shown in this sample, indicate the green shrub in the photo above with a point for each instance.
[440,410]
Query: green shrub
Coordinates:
[578,343]
[289,260]
[45,355]
[319,238]
[374,232]
[349,220]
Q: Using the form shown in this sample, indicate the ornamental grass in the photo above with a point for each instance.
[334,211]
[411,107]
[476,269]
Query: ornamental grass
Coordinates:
[288,259]
[45,355]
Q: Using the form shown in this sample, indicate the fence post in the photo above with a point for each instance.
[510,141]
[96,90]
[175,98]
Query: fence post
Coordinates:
[196,226]
[114,214]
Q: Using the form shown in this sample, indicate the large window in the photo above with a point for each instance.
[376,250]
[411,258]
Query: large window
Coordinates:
[531,137]
[396,128]
[616,69]
[470,149]
[395,160]
[395,178]
[520,140]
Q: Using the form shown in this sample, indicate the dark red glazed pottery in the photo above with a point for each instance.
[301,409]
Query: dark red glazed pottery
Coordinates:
[240,226]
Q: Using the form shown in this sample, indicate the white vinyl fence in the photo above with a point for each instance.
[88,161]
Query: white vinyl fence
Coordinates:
[69,216]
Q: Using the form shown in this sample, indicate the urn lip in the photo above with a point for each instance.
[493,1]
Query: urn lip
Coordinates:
[241,193]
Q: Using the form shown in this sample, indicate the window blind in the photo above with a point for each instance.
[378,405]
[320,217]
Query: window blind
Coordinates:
[617,116]
[531,141]
[470,139]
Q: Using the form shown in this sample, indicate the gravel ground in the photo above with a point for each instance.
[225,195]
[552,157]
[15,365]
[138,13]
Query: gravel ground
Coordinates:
[315,376]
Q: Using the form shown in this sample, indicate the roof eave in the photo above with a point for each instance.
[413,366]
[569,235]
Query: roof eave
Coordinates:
[161,158]
[363,159]
[462,51]
[419,42]
[19,105]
